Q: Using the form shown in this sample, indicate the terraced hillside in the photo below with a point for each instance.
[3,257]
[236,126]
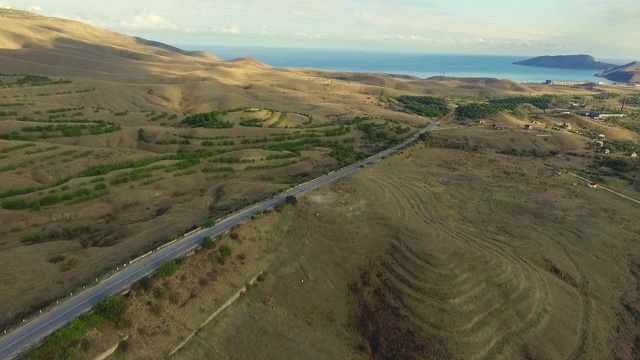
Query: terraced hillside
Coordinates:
[86,186]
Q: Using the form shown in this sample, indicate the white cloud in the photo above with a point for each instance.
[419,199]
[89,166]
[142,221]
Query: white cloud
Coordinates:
[415,25]
[149,21]
[232,29]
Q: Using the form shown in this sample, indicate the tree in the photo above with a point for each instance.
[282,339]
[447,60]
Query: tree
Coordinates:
[207,242]
[279,207]
[112,308]
[142,136]
[291,200]
[210,223]
[167,269]
[427,139]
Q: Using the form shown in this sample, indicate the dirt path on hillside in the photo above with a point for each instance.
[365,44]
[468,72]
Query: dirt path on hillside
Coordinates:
[224,306]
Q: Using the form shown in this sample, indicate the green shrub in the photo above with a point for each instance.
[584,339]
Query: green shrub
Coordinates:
[208,243]
[167,269]
[424,105]
[619,164]
[31,238]
[224,251]
[142,136]
[291,200]
[15,204]
[128,164]
[210,223]
[207,120]
[112,308]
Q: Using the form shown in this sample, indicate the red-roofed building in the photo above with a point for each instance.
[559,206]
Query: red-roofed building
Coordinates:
[593,185]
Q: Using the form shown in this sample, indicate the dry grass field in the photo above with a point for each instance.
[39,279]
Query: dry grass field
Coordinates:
[96,98]
[431,253]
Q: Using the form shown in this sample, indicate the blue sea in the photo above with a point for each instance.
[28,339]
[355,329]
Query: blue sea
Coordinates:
[419,65]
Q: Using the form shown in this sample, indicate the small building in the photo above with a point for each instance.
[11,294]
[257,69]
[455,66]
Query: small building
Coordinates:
[607,151]
[528,127]
[608,115]
[566,126]
[593,185]
[556,82]
[634,154]
[590,114]
[600,143]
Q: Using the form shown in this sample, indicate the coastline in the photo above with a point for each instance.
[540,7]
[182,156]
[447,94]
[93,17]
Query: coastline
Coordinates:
[418,65]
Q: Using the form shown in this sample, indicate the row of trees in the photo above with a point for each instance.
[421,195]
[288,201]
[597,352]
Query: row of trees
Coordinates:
[424,105]
[484,110]
[207,120]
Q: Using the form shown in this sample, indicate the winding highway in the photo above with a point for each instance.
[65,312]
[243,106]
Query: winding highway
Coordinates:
[33,332]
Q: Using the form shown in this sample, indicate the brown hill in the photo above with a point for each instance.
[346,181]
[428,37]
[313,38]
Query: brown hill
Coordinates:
[625,73]
[70,48]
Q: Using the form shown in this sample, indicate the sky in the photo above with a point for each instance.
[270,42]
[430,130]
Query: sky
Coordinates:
[607,29]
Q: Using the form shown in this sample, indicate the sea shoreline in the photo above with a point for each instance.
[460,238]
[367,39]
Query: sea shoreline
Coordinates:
[395,63]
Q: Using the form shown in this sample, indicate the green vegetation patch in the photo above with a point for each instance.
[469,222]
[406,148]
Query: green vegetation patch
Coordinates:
[159,116]
[9,149]
[142,136]
[207,120]
[71,197]
[342,130]
[484,110]
[96,127]
[282,117]
[66,233]
[523,152]
[132,176]
[107,168]
[37,80]
[424,105]
[251,122]
[167,269]
[623,165]
[62,344]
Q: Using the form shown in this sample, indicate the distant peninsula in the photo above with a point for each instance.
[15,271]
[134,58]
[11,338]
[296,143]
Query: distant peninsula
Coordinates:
[578,62]
[627,73]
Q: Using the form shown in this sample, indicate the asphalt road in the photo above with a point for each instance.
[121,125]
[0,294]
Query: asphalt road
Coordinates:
[20,339]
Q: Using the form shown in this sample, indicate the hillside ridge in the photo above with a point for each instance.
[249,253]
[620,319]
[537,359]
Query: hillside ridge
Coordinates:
[624,73]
